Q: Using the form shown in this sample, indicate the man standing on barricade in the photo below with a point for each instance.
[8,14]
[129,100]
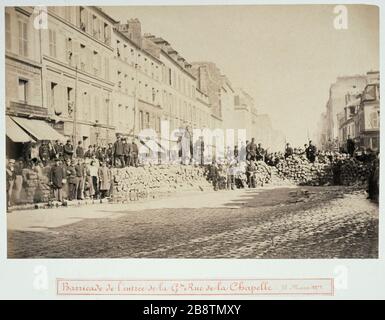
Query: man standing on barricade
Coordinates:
[118,152]
[79,150]
[251,150]
[126,152]
[68,150]
[134,151]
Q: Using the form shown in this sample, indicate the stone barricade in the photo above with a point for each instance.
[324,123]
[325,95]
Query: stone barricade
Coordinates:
[300,171]
[154,181]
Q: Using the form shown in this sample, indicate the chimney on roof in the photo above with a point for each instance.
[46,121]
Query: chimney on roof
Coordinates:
[132,30]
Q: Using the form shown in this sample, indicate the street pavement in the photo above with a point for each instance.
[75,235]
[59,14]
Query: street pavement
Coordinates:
[268,222]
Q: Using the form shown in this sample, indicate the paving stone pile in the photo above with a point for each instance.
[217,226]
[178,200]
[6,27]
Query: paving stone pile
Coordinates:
[35,187]
[266,174]
[153,181]
[354,172]
[299,170]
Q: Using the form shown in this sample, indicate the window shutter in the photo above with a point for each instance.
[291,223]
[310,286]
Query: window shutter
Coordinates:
[48,95]
[60,101]
[75,55]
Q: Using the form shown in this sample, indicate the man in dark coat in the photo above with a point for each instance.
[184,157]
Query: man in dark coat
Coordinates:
[288,151]
[214,175]
[126,152]
[90,152]
[118,152]
[250,171]
[251,150]
[57,175]
[79,150]
[68,150]
[44,152]
[72,181]
[58,150]
[260,153]
[311,152]
[109,154]
[134,154]
[350,146]
[80,178]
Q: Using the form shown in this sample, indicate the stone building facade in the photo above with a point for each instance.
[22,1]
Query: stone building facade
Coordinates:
[87,77]
[78,82]
[352,110]
[137,100]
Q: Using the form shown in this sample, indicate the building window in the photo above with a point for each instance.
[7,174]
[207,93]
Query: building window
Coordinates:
[158,124]
[83,19]
[69,50]
[23,90]
[8,39]
[83,57]
[374,120]
[52,94]
[95,26]
[96,108]
[107,68]
[147,120]
[107,37]
[67,13]
[52,43]
[23,39]
[169,77]
[70,101]
[97,63]
[141,120]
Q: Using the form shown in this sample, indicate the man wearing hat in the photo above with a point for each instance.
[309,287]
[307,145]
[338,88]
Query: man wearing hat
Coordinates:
[80,176]
[44,152]
[134,151]
[72,181]
[68,150]
[126,152]
[57,175]
[79,150]
[311,152]
[118,152]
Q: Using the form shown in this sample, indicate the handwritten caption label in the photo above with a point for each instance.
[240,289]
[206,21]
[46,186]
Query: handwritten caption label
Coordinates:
[196,287]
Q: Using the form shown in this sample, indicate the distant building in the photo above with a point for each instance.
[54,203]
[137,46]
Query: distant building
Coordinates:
[336,103]
[245,115]
[138,87]
[209,80]
[360,118]
[369,117]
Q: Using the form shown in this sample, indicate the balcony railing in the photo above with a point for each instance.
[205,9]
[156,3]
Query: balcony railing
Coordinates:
[23,108]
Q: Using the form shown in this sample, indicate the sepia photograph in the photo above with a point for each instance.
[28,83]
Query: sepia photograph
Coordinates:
[192,132]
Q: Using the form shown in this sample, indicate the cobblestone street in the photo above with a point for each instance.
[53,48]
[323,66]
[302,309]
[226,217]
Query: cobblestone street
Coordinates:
[285,222]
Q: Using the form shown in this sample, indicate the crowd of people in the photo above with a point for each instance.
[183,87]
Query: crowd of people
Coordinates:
[77,172]
[86,172]
[119,154]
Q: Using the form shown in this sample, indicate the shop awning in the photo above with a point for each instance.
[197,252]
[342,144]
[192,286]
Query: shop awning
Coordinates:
[39,129]
[15,133]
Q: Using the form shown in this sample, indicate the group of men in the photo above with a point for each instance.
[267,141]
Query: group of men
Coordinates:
[254,152]
[83,178]
[310,150]
[119,154]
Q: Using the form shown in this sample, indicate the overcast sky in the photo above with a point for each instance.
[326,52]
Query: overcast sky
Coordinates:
[286,57]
